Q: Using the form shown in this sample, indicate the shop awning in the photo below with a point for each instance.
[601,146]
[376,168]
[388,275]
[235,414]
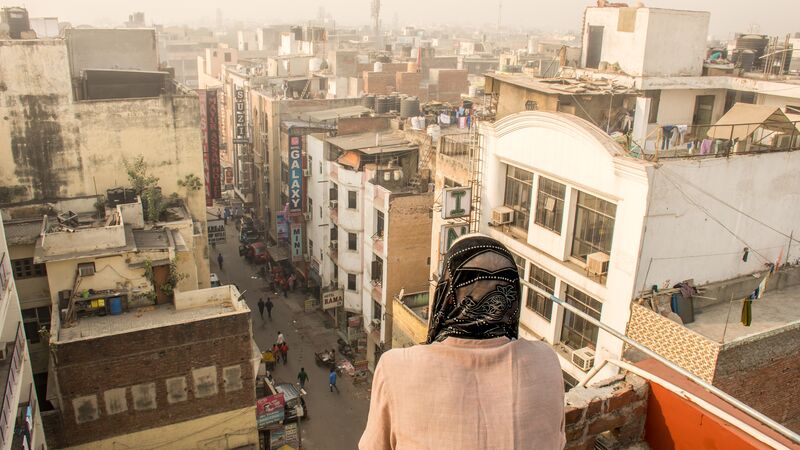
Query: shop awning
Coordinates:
[278,254]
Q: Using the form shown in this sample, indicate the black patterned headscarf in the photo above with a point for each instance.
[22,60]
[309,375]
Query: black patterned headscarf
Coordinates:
[478,294]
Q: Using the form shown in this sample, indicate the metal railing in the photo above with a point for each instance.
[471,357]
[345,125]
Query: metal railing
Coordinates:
[8,410]
[719,140]
[794,437]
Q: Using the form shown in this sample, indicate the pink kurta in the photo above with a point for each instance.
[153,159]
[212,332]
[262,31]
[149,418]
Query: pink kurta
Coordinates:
[467,394]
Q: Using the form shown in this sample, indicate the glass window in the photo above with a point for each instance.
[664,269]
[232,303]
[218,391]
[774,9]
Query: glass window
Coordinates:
[550,204]
[536,301]
[227,56]
[377,310]
[351,282]
[518,195]
[378,223]
[25,268]
[520,262]
[594,226]
[352,241]
[34,319]
[577,332]
[352,199]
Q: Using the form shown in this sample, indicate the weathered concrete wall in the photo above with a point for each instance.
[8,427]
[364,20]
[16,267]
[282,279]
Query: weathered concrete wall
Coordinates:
[512,99]
[54,148]
[759,372]
[407,328]
[118,48]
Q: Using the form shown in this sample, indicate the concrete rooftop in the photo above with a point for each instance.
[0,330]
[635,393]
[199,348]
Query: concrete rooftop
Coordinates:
[776,309]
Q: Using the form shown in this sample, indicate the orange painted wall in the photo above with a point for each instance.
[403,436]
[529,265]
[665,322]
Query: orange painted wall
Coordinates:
[676,423]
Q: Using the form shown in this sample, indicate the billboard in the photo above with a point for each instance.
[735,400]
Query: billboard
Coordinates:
[295,174]
[457,202]
[333,299]
[239,118]
[297,241]
[270,410]
[204,139]
[214,186]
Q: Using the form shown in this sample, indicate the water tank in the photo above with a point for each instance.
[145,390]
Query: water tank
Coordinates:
[394,102]
[368,101]
[415,123]
[745,59]
[755,42]
[17,20]
[435,132]
[382,104]
[377,67]
[409,107]
[115,306]
[314,64]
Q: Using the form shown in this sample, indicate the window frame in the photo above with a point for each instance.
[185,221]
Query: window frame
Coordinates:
[577,325]
[519,207]
[25,268]
[354,278]
[535,301]
[550,220]
[582,210]
[352,241]
[352,200]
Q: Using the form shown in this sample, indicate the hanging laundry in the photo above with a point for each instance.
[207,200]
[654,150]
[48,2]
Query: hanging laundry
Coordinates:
[681,130]
[666,136]
[747,312]
[705,146]
[687,290]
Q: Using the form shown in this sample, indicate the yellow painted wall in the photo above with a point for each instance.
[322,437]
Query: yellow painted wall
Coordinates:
[227,430]
[408,329]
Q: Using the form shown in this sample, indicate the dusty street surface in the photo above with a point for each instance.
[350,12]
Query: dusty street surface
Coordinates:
[335,421]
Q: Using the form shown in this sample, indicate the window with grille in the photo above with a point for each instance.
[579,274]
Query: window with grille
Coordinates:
[550,204]
[577,332]
[538,302]
[594,226]
[25,268]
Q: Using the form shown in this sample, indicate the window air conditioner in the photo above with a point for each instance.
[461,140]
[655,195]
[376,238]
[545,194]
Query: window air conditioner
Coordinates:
[306,173]
[86,269]
[307,217]
[597,263]
[335,282]
[502,215]
[376,324]
[334,245]
[583,358]
[333,203]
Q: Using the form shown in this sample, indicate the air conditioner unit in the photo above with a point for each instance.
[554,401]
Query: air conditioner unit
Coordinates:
[376,324]
[583,358]
[335,282]
[597,263]
[502,215]
[306,173]
[307,217]
[333,203]
[334,245]
[86,269]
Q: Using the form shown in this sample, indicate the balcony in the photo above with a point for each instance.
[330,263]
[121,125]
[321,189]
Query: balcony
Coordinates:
[11,369]
[745,129]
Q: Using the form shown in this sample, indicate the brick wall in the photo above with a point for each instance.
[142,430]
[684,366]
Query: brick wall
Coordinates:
[673,341]
[408,83]
[449,84]
[616,411]
[108,382]
[378,82]
[351,125]
[760,371]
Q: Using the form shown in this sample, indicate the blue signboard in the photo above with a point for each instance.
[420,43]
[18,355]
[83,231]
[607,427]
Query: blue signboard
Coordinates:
[295,175]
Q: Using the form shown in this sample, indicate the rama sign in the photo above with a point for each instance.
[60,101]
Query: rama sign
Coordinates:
[295,175]
[457,202]
[333,299]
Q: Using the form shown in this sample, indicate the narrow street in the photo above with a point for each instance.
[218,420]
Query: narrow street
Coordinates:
[335,421]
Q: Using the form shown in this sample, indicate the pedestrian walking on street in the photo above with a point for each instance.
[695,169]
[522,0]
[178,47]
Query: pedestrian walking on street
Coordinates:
[281,339]
[219,261]
[269,306]
[285,353]
[302,377]
[285,290]
[332,380]
[261,308]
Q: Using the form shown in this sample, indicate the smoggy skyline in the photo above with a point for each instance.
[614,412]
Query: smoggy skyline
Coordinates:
[770,17]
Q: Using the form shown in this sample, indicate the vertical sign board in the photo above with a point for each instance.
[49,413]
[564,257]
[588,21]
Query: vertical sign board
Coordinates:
[295,175]
[214,186]
[297,241]
[239,110]
[449,234]
[457,202]
[204,138]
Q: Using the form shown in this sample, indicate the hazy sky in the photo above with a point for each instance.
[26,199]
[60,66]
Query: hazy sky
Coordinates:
[727,16]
